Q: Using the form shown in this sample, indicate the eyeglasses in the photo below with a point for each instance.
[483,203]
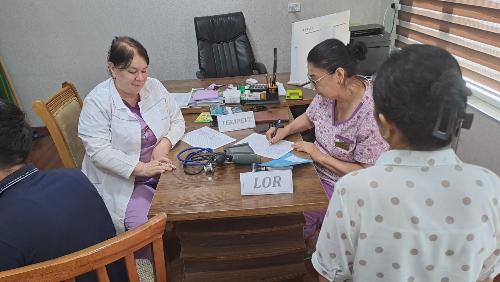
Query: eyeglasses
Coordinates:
[314,82]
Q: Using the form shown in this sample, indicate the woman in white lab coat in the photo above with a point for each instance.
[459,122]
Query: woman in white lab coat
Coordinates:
[128,125]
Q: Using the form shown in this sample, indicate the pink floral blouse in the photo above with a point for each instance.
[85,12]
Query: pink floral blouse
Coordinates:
[356,139]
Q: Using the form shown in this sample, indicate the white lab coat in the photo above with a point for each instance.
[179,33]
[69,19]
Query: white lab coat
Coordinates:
[112,139]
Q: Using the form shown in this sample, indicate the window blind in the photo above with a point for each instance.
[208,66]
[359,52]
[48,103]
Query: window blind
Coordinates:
[469,29]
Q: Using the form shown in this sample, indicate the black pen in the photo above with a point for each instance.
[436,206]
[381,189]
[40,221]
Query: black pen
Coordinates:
[277,125]
[304,84]
[273,79]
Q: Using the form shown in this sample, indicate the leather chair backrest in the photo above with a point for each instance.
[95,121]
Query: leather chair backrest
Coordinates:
[223,45]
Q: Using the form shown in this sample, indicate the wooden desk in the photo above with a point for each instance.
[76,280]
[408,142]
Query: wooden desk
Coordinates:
[186,85]
[226,236]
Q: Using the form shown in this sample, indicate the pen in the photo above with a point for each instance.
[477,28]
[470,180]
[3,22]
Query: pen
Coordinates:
[304,84]
[273,78]
[277,125]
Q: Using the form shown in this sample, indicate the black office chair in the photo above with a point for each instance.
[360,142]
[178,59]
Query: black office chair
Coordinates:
[223,47]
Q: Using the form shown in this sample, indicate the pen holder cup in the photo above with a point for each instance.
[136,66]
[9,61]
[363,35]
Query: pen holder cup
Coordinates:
[272,93]
[273,89]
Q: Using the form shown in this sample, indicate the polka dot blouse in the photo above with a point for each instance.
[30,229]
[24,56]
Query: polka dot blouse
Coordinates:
[413,216]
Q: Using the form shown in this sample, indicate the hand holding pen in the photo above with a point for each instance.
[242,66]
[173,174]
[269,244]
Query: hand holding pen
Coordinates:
[274,134]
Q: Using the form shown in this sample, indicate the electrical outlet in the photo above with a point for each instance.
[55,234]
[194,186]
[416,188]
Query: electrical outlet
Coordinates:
[396,6]
[294,7]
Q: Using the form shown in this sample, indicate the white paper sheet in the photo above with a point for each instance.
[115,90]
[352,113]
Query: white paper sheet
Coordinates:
[182,99]
[207,138]
[261,146]
[281,89]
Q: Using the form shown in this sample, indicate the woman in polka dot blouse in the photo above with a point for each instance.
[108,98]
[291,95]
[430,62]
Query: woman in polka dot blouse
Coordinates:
[347,138]
[418,214]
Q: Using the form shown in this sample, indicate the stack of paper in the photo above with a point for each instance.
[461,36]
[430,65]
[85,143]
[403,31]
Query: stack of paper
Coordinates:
[182,99]
[204,97]
[204,94]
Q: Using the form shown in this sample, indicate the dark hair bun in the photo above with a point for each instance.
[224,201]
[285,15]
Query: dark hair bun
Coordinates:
[357,50]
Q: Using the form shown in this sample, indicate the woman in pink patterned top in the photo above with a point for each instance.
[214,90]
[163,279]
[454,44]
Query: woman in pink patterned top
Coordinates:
[347,136]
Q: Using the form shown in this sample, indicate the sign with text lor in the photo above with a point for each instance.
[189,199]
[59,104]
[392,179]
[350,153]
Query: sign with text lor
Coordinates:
[236,121]
[266,182]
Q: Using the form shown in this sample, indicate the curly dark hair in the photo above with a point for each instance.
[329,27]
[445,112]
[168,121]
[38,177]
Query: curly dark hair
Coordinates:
[421,90]
[15,135]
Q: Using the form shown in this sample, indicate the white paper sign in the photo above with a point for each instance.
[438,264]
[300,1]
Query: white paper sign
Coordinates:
[236,121]
[266,182]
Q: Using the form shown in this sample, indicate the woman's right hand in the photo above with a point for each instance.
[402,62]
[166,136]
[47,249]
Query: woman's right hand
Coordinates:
[152,168]
[281,133]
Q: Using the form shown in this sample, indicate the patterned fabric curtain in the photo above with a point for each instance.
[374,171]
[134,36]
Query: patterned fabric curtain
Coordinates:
[469,29]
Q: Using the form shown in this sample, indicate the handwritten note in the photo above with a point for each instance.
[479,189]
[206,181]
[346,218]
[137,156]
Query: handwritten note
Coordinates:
[261,146]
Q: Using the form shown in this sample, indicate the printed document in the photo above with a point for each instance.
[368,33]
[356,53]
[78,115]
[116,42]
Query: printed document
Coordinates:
[182,99]
[206,137]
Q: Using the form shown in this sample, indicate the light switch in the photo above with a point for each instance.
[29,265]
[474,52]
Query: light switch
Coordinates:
[294,7]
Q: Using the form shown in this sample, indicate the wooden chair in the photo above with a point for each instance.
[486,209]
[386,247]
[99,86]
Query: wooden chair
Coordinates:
[60,113]
[96,258]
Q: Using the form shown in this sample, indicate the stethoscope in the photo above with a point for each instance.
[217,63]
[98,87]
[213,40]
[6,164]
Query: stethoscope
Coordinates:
[198,159]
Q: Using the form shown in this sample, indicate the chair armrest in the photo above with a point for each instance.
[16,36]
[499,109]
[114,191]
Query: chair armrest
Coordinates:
[259,67]
[201,74]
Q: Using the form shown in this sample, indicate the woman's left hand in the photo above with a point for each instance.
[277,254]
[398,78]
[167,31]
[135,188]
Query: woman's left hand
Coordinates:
[306,147]
[161,149]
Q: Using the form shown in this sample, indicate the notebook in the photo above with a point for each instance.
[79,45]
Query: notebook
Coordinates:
[205,95]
